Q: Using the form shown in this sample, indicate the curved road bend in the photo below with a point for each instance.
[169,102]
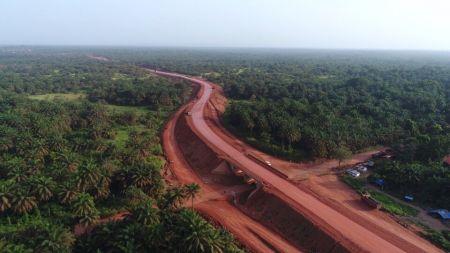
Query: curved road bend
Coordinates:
[328,217]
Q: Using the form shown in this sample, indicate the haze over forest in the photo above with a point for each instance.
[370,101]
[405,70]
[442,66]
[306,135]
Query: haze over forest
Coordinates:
[349,24]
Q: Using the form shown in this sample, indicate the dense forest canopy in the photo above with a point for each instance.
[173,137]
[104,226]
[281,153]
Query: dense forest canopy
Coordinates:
[79,127]
[79,141]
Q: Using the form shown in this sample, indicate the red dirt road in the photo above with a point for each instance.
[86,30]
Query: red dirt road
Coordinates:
[211,201]
[355,236]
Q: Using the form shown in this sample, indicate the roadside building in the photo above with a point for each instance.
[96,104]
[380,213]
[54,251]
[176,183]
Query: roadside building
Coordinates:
[441,214]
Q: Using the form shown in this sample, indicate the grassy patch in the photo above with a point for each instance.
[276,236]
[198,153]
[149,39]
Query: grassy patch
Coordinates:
[353,182]
[392,206]
[440,239]
[123,134]
[61,96]
[123,108]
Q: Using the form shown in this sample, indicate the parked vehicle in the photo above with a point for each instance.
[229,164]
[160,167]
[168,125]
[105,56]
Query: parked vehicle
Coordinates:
[361,168]
[353,173]
[370,163]
[366,197]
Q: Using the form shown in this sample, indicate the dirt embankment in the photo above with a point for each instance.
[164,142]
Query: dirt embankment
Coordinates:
[271,211]
[263,206]
[200,156]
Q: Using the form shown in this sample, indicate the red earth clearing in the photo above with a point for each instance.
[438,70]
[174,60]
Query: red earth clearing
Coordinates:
[321,209]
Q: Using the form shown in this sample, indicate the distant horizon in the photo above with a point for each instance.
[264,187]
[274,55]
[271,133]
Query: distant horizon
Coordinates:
[224,47]
[322,24]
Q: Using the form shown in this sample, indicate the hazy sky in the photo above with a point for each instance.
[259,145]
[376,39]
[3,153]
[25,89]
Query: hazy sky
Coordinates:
[383,24]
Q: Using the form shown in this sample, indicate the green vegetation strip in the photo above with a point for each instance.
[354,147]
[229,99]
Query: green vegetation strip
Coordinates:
[389,204]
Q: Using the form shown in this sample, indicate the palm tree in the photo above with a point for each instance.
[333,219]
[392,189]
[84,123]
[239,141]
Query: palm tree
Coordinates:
[67,193]
[84,209]
[58,239]
[142,176]
[69,159]
[43,187]
[5,195]
[146,214]
[172,198]
[18,174]
[88,175]
[23,203]
[198,235]
[191,190]
[101,189]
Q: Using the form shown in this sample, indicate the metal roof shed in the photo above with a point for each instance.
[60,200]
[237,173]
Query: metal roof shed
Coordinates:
[442,213]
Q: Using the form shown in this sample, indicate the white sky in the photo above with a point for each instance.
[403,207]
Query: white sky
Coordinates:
[366,24]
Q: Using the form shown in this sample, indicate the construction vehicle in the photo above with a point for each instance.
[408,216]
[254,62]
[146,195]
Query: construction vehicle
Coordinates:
[366,197]
[250,180]
[238,172]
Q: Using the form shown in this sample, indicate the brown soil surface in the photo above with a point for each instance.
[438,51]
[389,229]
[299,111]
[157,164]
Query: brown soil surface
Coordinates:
[346,201]
[81,229]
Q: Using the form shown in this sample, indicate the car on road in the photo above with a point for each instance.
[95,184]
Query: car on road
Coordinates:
[268,163]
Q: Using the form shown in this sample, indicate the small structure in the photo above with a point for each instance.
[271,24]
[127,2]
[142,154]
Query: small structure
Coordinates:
[443,214]
[408,198]
[379,182]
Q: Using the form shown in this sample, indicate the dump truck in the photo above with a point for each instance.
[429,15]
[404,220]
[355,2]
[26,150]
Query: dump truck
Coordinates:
[366,197]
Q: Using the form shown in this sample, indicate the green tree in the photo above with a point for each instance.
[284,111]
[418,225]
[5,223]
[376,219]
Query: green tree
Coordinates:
[5,195]
[84,208]
[191,191]
[42,187]
[341,153]
[23,202]
[197,235]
